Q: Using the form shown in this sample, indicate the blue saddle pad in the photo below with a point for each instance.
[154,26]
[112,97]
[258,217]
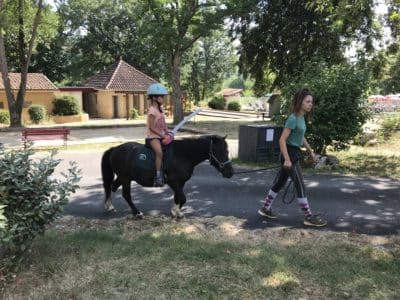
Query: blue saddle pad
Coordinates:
[145,159]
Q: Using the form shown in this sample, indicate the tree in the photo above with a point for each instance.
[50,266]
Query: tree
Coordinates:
[281,36]
[24,53]
[339,102]
[94,34]
[391,82]
[393,17]
[173,28]
[210,61]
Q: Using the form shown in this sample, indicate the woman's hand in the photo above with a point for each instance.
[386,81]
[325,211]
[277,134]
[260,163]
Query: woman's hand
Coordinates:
[313,157]
[287,164]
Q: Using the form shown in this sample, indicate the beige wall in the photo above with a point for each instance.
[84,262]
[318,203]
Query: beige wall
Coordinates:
[105,104]
[44,98]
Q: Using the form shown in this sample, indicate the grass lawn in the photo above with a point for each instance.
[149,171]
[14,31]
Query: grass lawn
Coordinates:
[381,160]
[204,259]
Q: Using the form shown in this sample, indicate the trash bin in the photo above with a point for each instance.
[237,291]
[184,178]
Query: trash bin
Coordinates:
[259,142]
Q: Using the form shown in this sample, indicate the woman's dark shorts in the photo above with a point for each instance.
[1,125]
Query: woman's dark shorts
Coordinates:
[294,154]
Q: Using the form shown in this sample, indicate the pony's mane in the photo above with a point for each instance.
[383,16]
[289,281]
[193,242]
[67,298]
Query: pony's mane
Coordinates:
[201,137]
[196,144]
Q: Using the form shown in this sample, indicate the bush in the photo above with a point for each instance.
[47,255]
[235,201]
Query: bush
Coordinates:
[4,116]
[390,124]
[66,106]
[339,107]
[217,102]
[37,113]
[134,113]
[29,197]
[234,105]
[237,83]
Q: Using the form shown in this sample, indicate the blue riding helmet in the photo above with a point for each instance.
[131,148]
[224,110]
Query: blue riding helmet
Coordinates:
[157,89]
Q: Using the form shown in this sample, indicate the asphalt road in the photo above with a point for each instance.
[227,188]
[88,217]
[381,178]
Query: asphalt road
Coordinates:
[351,204]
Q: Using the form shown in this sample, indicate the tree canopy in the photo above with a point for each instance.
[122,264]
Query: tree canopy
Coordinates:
[280,36]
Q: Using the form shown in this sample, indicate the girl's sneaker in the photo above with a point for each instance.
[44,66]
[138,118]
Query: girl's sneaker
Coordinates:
[267,213]
[158,181]
[315,220]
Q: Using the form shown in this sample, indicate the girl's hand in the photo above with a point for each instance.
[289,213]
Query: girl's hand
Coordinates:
[287,164]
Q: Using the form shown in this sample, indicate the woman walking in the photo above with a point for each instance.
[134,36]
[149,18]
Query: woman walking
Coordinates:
[291,140]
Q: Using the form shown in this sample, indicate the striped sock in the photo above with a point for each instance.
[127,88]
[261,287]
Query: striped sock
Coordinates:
[304,206]
[269,199]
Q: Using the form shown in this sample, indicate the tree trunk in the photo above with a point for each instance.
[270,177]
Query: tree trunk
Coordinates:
[176,86]
[7,85]
[15,105]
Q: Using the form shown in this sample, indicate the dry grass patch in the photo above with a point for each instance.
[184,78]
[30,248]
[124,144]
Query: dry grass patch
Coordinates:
[210,258]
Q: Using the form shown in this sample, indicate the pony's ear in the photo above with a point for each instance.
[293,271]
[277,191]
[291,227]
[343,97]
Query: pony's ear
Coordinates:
[225,136]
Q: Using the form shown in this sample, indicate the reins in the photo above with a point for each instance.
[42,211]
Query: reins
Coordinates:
[256,170]
[290,182]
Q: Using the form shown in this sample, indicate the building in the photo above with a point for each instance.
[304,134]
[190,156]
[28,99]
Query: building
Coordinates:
[39,90]
[115,91]
[111,93]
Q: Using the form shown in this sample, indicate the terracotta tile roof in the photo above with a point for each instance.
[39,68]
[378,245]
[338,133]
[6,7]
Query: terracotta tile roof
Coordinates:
[120,76]
[35,81]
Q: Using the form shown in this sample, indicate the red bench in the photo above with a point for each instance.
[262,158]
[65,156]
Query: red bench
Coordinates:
[36,134]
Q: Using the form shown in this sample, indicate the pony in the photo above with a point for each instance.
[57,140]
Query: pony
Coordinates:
[121,164]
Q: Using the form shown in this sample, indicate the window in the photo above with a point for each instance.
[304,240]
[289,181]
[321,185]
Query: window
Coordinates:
[1,105]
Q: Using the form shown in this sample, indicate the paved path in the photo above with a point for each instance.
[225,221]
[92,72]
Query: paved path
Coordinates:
[352,204]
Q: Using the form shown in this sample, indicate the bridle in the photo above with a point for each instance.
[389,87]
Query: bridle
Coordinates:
[220,164]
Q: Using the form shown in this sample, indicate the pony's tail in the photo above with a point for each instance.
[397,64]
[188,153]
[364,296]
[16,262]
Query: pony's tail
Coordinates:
[107,172]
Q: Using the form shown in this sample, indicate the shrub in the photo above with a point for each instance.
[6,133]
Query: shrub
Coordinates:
[4,116]
[37,113]
[30,197]
[237,83]
[390,124]
[217,102]
[339,107]
[134,113]
[234,105]
[66,106]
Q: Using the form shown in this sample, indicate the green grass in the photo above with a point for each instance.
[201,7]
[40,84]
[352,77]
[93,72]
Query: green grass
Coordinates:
[203,259]
[382,160]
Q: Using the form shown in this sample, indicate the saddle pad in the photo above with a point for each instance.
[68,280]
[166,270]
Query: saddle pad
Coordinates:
[145,159]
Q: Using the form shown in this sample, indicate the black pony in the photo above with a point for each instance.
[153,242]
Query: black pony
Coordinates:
[123,162]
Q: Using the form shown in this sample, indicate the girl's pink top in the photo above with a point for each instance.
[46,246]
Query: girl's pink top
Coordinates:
[159,122]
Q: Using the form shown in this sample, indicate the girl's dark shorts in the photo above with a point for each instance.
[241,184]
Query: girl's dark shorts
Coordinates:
[148,140]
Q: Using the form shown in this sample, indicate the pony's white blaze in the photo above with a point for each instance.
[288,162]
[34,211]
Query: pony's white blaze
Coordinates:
[108,203]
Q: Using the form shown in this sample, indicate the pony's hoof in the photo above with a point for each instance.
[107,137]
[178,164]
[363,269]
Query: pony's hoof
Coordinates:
[139,215]
[111,209]
[177,215]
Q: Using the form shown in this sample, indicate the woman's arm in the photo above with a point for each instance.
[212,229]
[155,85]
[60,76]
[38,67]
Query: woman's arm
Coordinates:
[282,145]
[310,150]
[151,122]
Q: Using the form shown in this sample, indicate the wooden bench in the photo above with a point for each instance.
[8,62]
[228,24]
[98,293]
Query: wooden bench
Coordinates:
[36,134]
